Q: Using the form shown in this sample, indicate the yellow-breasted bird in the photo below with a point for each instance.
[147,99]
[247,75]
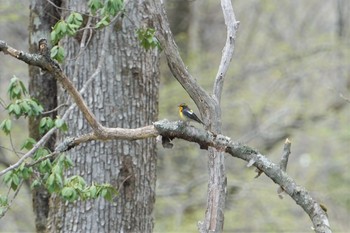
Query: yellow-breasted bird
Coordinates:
[187,114]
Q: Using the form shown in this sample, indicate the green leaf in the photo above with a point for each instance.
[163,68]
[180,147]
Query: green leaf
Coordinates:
[103,22]
[54,51]
[25,107]
[24,172]
[35,184]
[3,200]
[42,122]
[70,18]
[57,53]
[28,143]
[94,5]
[8,177]
[61,124]
[67,162]
[92,191]
[46,123]
[41,152]
[75,20]
[54,38]
[112,7]
[58,31]
[14,109]
[12,180]
[16,89]
[69,194]
[62,27]
[6,126]
[50,183]
[104,192]
[59,179]
[78,17]
[147,38]
[45,166]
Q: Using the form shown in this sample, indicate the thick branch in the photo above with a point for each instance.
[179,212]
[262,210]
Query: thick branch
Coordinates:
[110,134]
[220,142]
[206,139]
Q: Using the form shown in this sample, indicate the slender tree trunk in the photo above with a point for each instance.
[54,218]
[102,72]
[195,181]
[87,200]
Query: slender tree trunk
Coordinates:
[42,86]
[123,94]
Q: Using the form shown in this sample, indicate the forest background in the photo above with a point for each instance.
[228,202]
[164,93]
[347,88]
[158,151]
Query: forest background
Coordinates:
[290,77]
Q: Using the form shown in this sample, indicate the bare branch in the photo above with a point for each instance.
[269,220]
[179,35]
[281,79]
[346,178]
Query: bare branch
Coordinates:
[227,53]
[283,163]
[285,155]
[206,139]
[301,196]
[110,134]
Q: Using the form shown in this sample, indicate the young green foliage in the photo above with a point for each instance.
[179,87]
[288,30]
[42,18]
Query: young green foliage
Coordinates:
[106,9]
[3,205]
[16,89]
[61,124]
[57,53]
[61,29]
[21,105]
[147,38]
[13,178]
[46,123]
[6,126]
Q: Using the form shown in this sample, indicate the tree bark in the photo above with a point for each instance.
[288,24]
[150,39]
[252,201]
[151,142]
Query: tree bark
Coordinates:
[123,94]
[42,86]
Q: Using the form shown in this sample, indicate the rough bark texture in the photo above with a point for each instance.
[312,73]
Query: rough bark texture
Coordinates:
[124,94]
[42,86]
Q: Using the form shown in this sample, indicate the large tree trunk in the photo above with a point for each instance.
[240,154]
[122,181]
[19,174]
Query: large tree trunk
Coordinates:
[42,86]
[123,94]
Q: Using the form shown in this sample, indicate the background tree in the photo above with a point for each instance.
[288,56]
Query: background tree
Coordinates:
[42,86]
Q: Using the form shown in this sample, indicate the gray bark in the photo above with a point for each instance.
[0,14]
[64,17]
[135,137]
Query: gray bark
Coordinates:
[42,86]
[124,94]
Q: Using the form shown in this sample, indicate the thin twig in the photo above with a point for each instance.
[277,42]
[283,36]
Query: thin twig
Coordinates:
[55,109]
[344,98]
[13,146]
[14,196]
[18,152]
[42,159]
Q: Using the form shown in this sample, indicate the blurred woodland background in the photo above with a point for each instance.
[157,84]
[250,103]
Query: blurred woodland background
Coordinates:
[290,77]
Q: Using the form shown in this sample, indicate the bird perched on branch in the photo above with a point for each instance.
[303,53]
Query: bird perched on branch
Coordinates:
[187,114]
[43,48]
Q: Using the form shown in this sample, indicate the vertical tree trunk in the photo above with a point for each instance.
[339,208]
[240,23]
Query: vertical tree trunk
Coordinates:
[42,86]
[123,94]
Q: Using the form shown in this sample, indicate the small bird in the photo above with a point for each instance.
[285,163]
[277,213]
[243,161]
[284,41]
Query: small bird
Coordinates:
[43,48]
[187,114]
